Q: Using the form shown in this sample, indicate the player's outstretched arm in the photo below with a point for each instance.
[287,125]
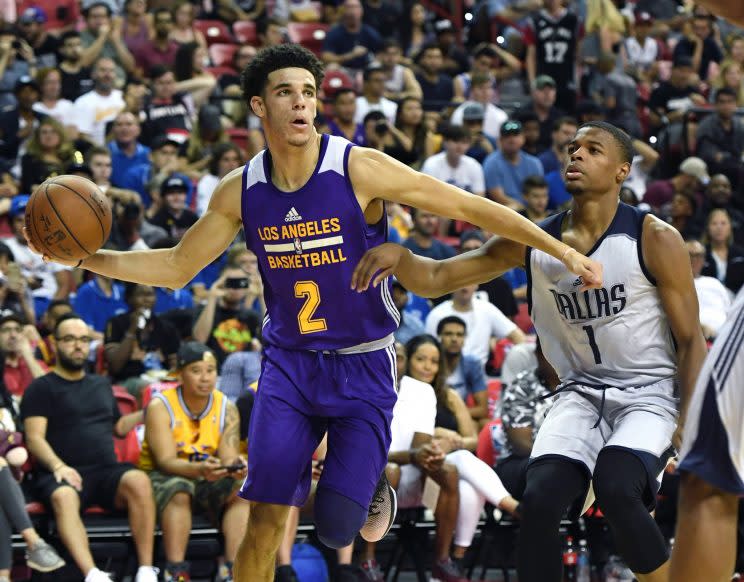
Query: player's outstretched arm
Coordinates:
[668,262]
[430,278]
[375,175]
[174,268]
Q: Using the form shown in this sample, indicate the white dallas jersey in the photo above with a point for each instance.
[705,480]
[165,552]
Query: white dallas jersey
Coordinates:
[617,335]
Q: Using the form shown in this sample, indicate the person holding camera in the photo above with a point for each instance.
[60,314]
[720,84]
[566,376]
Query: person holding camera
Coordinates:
[138,342]
[226,324]
[191,452]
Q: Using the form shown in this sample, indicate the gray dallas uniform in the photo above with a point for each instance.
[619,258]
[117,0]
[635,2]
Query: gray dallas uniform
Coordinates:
[611,348]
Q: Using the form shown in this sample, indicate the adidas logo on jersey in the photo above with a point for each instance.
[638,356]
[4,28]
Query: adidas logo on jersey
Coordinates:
[578,282]
[292,215]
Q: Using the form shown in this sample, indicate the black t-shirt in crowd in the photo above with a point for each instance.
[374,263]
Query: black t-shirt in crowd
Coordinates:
[159,339]
[174,226]
[666,97]
[172,119]
[76,84]
[80,414]
[232,331]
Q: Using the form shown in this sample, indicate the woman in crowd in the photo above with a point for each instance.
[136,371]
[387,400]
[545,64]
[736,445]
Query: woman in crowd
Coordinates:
[457,436]
[50,102]
[414,32]
[137,27]
[226,157]
[413,142]
[191,76]
[48,154]
[206,136]
[184,31]
[723,259]
[729,76]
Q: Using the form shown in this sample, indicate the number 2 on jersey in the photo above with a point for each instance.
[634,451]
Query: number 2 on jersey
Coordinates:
[593,343]
[309,290]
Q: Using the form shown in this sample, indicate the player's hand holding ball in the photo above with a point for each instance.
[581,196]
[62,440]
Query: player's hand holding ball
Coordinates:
[68,219]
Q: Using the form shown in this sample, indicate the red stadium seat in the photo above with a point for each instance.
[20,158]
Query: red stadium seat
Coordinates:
[335,80]
[309,34]
[245,32]
[239,136]
[217,72]
[214,31]
[221,55]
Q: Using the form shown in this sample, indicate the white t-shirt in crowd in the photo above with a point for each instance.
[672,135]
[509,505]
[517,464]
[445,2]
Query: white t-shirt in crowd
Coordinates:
[92,111]
[32,265]
[492,121]
[714,300]
[483,322]
[388,108]
[468,174]
[62,110]
[204,190]
[415,411]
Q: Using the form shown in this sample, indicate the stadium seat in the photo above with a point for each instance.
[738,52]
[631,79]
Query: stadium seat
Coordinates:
[127,403]
[239,136]
[245,32]
[217,72]
[215,31]
[222,54]
[309,34]
[333,81]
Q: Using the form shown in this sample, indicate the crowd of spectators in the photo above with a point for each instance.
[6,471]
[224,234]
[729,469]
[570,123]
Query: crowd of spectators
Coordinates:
[143,97]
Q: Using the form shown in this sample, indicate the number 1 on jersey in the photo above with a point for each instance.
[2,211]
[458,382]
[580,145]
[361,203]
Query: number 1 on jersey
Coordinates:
[310,291]
[593,343]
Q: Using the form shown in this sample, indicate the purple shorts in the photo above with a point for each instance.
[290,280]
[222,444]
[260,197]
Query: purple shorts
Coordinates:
[301,395]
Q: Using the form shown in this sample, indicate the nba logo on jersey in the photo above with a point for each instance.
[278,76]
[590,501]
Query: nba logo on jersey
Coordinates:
[298,246]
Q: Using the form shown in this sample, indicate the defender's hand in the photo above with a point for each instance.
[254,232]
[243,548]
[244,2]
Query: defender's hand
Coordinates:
[382,260]
[590,271]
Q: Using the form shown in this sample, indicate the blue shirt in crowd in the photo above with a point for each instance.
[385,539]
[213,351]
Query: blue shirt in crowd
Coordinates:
[468,377]
[510,177]
[167,299]
[340,41]
[121,163]
[95,307]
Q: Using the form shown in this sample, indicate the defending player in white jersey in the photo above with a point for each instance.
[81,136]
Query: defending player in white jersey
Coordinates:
[613,348]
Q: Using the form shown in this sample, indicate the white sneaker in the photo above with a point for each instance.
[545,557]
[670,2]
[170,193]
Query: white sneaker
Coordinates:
[96,575]
[146,574]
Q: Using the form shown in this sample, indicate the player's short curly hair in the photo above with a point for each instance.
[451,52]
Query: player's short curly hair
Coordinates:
[283,56]
[622,140]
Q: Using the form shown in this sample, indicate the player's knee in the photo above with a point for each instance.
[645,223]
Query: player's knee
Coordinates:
[338,519]
[619,480]
[330,536]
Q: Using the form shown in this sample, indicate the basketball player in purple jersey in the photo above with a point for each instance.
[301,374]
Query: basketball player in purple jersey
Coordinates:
[311,205]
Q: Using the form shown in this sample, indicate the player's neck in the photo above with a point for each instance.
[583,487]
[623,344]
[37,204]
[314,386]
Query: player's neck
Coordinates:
[591,215]
[291,167]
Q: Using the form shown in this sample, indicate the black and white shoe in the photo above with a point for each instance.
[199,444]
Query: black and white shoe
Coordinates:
[382,510]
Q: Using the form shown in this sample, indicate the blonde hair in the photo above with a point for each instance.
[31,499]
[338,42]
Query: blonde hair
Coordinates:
[720,82]
[65,149]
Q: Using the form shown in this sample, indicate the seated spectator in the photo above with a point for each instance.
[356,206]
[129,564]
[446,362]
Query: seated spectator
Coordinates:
[47,281]
[126,150]
[373,94]
[15,295]
[416,142]
[381,135]
[481,145]
[45,348]
[692,177]
[233,105]
[481,92]
[92,111]
[225,323]
[532,130]
[174,217]
[483,320]
[13,515]
[99,162]
[168,112]
[99,300]
[535,193]
[618,93]
[640,50]
[564,130]
[699,44]
[191,454]
[724,260]
[413,457]
[343,122]
[184,31]
[400,82]
[243,258]
[32,30]
[239,370]
[161,48]
[20,366]
[191,76]
[720,137]
[16,66]
[130,231]
[731,76]
[681,215]
[225,158]
[48,153]
[713,297]
[139,341]
[137,27]
[350,43]
[18,122]
[456,59]
[50,101]
[718,194]
[506,169]
[102,38]
[207,135]
[457,437]
[410,326]
[542,104]
[76,77]
[670,100]
[421,240]
[70,419]
[466,375]
[436,87]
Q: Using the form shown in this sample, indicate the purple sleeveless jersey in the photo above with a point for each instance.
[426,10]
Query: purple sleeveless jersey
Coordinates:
[308,243]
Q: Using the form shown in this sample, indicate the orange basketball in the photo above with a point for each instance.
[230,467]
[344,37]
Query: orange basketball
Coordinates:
[68,217]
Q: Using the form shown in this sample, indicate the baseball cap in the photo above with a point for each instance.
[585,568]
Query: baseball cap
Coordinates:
[25,81]
[511,127]
[644,17]
[174,184]
[695,167]
[9,315]
[191,352]
[542,81]
[163,140]
[473,112]
[18,205]
[32,14]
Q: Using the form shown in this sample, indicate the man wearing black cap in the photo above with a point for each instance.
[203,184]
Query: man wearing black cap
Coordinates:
[18,122]
[173,216]
[456,61]
[32,28]
[507,168]
[191,453]
[481,92]
[671,99]
[473,116]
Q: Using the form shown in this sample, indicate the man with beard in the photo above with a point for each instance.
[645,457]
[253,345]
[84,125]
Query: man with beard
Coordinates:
[160,50]
[76,78]
[344,110]
[614,417]
[70,419]
[94,110]
[563,131]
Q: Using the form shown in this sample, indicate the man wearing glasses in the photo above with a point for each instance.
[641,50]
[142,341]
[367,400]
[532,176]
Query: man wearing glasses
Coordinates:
[71,419]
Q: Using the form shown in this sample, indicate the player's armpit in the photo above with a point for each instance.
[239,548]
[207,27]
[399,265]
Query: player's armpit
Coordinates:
[668,261]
